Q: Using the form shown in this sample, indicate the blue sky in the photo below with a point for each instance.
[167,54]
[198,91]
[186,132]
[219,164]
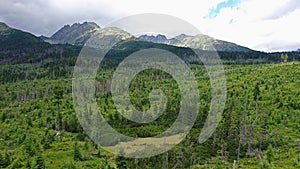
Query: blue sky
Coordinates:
[226,4]
[268,25]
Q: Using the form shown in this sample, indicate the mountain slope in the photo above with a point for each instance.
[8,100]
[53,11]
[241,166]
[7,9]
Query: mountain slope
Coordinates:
[76,34]
[159,39]
[200,41]
[13,39]
[17,46]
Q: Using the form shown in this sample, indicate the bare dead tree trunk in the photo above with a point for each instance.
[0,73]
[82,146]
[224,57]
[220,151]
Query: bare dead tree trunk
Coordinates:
[242,129]
[249,140]
[259,158]
[256,112]
[263,130]
[234,165]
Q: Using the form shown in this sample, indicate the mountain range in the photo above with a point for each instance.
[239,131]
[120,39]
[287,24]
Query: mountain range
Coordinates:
[199,41]
[77,34]
[17,46]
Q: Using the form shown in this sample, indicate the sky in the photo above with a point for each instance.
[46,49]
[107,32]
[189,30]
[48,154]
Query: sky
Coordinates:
[265,25]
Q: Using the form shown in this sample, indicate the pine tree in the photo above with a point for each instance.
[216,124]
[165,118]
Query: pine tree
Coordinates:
[120,160]
[76,153]
[4,160]
[3,117]
[256,98]
[286,57]
[270,154]
[256,92]
[282,57]
[31,146]
[47,140]
[69,165]
[39,162]
[58,121]
[27,163]
[58,95]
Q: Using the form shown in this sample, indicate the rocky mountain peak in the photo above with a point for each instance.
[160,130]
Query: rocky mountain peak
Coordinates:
[3,26]
[77,33]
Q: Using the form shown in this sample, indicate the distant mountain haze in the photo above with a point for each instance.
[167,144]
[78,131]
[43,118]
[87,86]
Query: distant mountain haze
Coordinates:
[78,34]
[200,41]
[17,46]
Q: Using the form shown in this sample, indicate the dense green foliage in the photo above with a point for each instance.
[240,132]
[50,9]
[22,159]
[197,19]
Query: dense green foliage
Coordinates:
[260,125]
[39,127]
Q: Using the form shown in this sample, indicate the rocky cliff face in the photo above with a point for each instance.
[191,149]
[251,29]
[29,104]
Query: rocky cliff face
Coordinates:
[76,34]
[200,41]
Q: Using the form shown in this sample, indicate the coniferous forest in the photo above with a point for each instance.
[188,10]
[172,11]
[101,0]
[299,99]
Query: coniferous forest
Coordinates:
[260,125]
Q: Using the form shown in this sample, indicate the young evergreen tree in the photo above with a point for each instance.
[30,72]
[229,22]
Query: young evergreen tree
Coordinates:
[121,161]
[4,160]
[270,154]
[39,162]
[58,95]
[76,153]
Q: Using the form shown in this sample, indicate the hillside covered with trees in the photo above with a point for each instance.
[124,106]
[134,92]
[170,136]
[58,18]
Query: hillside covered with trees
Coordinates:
[39,127]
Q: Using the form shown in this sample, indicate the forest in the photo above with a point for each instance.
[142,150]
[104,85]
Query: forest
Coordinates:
[259,127]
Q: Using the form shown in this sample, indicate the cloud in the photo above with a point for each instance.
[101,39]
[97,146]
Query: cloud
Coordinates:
[247,25]
[47,16]
[285,9]
[246,22]
[279,46]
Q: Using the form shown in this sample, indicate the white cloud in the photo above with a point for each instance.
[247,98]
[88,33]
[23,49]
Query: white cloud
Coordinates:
[255,23]
[289,7]
[47,16]
[250,27]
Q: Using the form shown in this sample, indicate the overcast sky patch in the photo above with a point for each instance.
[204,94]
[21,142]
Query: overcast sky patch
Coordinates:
[245,22]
